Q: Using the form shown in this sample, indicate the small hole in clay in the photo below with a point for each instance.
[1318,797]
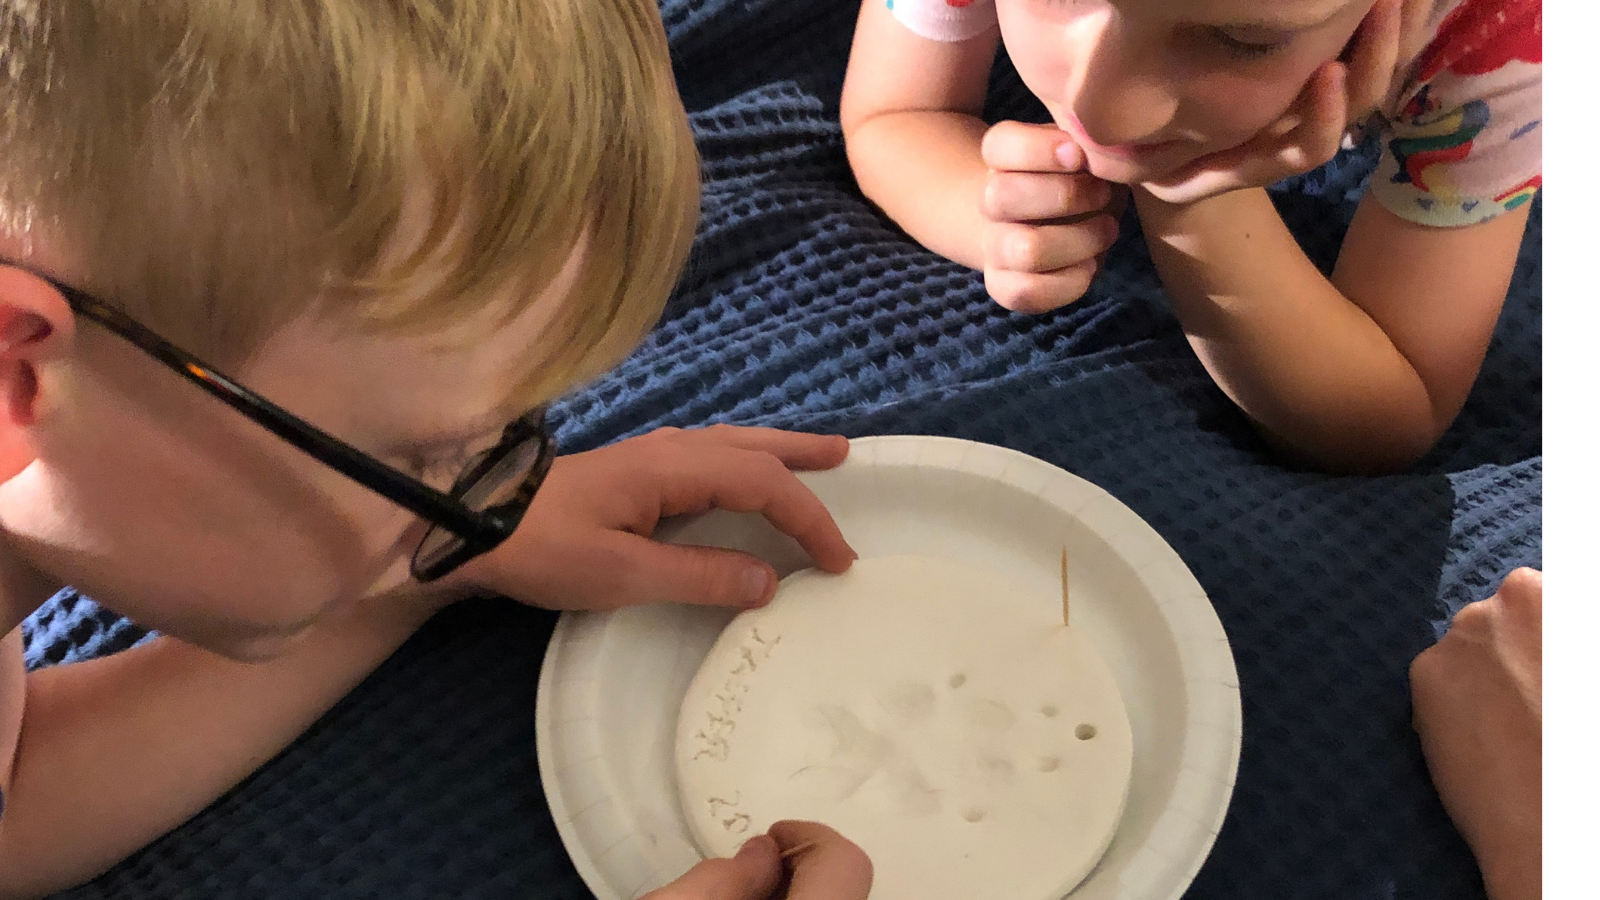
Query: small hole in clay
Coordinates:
[1048,711]
[973,815]
[1049,764]
[1085,732]
[957,680]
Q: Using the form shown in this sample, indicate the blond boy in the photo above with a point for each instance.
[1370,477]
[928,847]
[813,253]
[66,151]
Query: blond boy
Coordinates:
[381,232]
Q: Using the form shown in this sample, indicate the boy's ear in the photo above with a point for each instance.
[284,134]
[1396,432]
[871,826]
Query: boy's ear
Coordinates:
[35,324]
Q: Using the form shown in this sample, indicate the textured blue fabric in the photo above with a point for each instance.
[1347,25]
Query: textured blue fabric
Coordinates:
[804,308]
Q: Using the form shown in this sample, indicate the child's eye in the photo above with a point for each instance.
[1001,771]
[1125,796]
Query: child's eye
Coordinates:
[1244,49]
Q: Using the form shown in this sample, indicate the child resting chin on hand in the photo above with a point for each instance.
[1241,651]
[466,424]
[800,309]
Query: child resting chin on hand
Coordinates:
[1196,106]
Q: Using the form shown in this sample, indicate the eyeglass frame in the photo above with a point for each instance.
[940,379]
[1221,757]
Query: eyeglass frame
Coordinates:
[479,530]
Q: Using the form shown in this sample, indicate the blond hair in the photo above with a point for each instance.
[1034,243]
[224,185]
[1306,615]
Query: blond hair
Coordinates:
[221,167]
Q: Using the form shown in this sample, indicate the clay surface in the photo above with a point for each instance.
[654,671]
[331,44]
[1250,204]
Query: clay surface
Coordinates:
[929,710]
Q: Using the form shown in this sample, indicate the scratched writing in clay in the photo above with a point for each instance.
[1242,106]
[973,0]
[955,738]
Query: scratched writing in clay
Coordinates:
[735,821]
[722,720]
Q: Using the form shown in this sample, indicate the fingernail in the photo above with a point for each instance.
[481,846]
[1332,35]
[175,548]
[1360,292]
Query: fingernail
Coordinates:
[754,583]
[1068,154]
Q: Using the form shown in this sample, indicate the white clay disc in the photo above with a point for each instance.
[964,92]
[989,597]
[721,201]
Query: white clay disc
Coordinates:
[933,712]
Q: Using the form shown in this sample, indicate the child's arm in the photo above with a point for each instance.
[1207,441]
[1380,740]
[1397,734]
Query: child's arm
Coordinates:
[911,114]
[911,111]
[1361,372]
[114,752]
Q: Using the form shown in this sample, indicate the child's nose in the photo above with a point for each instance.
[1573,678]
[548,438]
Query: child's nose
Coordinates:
[1123,96]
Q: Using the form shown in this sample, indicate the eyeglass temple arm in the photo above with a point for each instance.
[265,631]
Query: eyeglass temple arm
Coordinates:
[436,506]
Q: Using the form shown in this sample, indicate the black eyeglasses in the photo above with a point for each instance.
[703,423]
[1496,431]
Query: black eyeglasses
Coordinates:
[481,510]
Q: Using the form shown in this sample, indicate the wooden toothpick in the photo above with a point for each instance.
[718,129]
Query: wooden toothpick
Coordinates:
[1065,618]
[797,849]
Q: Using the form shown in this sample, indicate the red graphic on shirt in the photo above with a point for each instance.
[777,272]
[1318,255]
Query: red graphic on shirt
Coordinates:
[1480,36]
[1520,194]
[958,3]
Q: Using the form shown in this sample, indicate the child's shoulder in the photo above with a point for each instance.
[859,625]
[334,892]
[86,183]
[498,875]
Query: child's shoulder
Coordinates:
[1474,38]
[1462,138]
[944,20]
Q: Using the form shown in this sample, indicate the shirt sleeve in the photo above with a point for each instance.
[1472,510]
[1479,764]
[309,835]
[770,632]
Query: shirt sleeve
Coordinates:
[1462,144]
[945,20]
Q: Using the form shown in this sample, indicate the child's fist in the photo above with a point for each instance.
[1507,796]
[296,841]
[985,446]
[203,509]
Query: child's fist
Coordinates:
[1050,222]
[1476,696]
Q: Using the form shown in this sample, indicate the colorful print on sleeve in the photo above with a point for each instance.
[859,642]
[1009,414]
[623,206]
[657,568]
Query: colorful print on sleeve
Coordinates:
[1463,143]
[945,20]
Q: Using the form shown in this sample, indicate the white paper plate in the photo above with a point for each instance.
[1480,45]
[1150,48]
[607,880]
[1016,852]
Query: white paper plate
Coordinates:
[612,683]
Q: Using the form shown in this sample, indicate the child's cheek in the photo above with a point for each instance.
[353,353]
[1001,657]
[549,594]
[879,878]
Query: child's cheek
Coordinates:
[1227,109]
[1044,66]
[1045,50]
[1228,105]
[1222,105]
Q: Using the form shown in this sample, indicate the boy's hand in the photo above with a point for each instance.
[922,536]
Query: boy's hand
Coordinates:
[585,542]
[1339,93]
[1050,221]
[1477,704]
[827,867]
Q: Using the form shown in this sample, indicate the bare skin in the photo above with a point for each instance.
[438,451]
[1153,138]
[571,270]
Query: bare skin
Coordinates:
[277,583]
[797,860]
[1477,697]
[1359,372]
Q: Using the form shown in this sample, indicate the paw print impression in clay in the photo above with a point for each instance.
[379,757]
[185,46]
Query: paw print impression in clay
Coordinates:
[931,711]
[940,746]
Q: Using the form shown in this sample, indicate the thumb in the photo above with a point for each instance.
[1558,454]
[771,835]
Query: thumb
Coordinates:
[753,874]
[658,572]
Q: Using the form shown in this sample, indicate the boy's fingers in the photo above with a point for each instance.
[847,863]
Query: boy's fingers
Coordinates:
[753,874]
[1032,196]
[1024,147]
[829,868]
[654,572]
[1046,248]
[795,449]
[744,481]
[1037,292]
